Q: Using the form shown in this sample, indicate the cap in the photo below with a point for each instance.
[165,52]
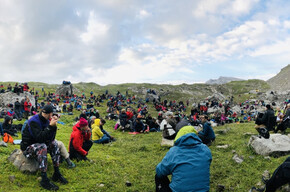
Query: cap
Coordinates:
[47,109]
[83,122]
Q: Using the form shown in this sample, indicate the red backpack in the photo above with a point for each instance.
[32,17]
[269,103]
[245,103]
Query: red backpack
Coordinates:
[7,138]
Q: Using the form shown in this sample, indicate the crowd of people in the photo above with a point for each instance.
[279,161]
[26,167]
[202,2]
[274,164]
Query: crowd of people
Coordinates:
[192,133]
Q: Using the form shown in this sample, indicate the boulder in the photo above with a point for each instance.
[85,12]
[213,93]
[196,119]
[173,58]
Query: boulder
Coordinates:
[236,109]
[63,89]
[238,159]
[277,145]
[167,142]
[23,163]
[151,97]
[10,98]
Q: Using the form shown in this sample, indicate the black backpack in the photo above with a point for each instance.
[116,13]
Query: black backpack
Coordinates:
[264,133]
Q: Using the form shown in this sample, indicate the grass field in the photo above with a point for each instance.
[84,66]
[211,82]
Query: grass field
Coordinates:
[133,158]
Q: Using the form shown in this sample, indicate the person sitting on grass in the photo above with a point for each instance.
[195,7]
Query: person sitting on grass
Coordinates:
[7,126]
[99,134]
[206,134]
[80,143]
[38,139]
[188,161]
[138,126]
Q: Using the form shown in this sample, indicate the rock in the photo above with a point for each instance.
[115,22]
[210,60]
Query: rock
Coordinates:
[12,178]
[238,159]
[223,131]
[233,151]
[63,89]
[2,143]
[128,183]
[101,185]
[236,109]
[220,188]
[222,146]
[167,142]
[23,163]
[277,145]
[251,157]
[151,97]
[268,158]
[286,188]
[249,134]
[10,98]
[266,175]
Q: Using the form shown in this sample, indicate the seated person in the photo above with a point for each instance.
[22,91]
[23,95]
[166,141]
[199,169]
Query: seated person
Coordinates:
[38,139]
[285,121]
[263,122]
[7,127]
[188,161]
[123,119]
[99,134]
[80,142]
[168,126]
[206,134]
[138,126]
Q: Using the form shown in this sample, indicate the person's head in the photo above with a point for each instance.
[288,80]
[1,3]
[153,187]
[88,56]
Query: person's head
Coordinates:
[83,124]
[47,112]
[8,120]
[123,111]
[288,106]
[268,106]
[102,122]
[203,118]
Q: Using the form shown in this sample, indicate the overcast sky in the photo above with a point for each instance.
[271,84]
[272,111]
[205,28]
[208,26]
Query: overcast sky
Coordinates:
[131,41]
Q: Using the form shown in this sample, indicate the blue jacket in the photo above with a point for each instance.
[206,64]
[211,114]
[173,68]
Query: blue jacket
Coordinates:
[188,161]
[207,131]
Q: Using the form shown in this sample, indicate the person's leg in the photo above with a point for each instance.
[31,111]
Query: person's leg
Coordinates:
[64,154]
[55,156]
[38,151]
[162,184]
[104,139]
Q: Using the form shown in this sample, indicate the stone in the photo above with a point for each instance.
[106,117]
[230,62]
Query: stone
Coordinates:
[222,146]
[12,178]
[2,143]
[267,158]
[220,188]
[63,89]
[23,163]
[167,142]
[101,185]
[238,159]
[251,157]
[249,134]
[151,97]
[10,98]
[277,145]
[223,131]
[128,183]
[266,175]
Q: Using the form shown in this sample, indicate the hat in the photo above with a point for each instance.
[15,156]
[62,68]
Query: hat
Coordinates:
[83,122]
[47,109]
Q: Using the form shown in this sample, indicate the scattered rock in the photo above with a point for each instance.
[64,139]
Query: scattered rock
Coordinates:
[222,146]
[10,98]
[249,134]
[251,157]
[220,188]
[223,131]
[277,145]
[166,142]
[268,158]
[286,188]
[12,178]
[238,159]
[23,163]
[266,174]
[233,151]
[2,143]
[101,185]
[128,184]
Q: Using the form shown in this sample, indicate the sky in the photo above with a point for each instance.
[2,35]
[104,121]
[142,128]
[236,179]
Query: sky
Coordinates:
[136,41]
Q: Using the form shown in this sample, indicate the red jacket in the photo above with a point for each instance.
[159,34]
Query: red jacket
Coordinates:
[129,115]
[79,139]
[27,106]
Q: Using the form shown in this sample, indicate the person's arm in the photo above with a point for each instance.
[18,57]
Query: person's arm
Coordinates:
[44,135]
[77,144]
[165,167]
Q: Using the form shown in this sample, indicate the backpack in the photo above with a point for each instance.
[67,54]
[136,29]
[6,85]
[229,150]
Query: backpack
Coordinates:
[7,138]
[264,133]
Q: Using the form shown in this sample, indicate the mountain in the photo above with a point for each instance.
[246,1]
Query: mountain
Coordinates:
[222,80]
[281,81]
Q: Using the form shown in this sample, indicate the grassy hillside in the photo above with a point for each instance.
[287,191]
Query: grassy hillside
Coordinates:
[133,158]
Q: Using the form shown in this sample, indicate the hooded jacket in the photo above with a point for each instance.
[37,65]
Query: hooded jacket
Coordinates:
[188,161]
[77,139]
[96,130]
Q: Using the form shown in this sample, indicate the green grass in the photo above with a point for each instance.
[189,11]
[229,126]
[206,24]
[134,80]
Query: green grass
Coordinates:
[133,158]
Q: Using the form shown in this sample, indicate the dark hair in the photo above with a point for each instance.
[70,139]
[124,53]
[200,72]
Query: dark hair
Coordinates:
[268,106]
[103,121]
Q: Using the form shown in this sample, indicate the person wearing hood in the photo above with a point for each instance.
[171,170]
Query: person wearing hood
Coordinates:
[38,139]
[80,143]
[99,134]
[188,161]
[7,126]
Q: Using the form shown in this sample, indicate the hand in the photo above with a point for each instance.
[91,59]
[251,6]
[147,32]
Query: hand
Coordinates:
[53,121]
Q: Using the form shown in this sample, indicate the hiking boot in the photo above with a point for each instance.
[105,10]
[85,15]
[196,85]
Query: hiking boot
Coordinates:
[71,165]
[113,139]
[47,184]
[59,178]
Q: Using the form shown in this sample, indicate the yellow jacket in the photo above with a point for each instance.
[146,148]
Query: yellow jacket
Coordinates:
[96,130]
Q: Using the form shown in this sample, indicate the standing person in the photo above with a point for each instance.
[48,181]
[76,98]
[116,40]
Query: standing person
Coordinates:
[206,134]
[80,143]
[188,161]
[27,108]
[38,138]
[17,109]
